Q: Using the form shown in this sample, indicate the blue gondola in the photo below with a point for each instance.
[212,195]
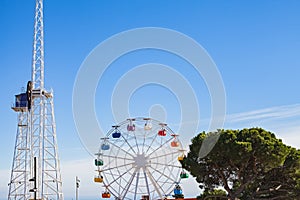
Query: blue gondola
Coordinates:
[116,134]
[105,146]
[177,190]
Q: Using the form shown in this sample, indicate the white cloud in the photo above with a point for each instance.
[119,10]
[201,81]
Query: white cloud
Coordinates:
[279,112]
[282,120]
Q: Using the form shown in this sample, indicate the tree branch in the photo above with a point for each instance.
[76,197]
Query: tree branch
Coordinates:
[226,187]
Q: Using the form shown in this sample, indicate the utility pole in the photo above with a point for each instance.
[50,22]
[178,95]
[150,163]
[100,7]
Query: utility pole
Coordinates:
[34,189]
[77,186]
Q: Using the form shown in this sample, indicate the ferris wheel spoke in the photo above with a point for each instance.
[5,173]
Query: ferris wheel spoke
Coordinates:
[160,146]
[168,165]
[114,189]
[120,176]
[168,168]
[116,160]
[131,148]
[137,145]
[163,155]
[151,143]
[156,186]
[115,157]
[174,180]
[121,148]
[103,170]
[129,183]
[143,143]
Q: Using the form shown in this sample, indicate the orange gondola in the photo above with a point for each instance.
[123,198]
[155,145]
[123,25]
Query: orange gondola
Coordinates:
[175,142]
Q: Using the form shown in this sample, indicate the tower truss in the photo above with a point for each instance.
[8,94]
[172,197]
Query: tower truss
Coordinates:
[35,170]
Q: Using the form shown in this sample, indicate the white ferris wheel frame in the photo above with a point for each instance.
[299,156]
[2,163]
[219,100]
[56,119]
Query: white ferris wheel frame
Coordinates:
[140,162]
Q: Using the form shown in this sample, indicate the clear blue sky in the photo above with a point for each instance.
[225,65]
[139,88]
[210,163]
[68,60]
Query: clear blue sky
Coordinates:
[255,45]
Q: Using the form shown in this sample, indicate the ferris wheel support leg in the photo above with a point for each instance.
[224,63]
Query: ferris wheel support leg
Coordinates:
[136,185]
[154,184]
[146,179]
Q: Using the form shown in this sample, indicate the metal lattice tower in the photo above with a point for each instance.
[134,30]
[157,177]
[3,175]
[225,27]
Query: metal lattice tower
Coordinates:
[36,132]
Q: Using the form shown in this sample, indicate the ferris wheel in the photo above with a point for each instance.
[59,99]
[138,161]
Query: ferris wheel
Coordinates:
[139,159]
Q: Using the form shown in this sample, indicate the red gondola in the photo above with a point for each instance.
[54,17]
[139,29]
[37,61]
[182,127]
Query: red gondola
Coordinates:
[162,132]
[106,194]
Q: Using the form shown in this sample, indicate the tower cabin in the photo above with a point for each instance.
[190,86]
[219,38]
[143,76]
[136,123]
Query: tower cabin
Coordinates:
[21,103]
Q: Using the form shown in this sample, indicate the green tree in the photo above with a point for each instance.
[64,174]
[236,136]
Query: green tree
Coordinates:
[282,182]
[248,164]
[216,194]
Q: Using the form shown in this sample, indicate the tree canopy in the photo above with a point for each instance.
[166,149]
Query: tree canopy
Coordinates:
[248,164]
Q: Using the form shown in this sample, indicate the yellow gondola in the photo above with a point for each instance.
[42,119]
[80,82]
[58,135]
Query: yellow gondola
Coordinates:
[98,179]
[180,158]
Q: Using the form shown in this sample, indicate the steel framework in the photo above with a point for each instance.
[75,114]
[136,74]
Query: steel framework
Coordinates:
[138,159]
[36,132]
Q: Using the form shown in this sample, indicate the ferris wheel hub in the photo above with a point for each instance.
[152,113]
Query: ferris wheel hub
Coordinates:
[141,160]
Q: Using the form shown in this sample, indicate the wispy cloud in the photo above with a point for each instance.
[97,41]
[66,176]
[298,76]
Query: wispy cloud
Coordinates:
[283,120]
[278,112]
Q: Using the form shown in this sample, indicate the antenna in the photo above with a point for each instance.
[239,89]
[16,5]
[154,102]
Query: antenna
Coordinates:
[36,152]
